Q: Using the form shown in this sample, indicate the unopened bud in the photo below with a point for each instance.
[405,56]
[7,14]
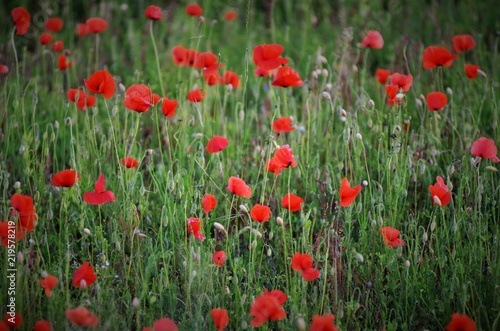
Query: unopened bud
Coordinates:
[219,226]
[86,231]
[365,183]
[324,72]
[253,245]
[419,103]
[359,257]
[83,284]
[449,91]
[301,324]
[326,95]
[314,75]
[20,258]
[424,237]
[279,220]
[17,185]
[243,209]
[437,201]
[407,263]
[482,73]
[371,103]
[343,118]
[135,302]
[359,136]
[122,87]
[400,96]
[491,168]
[257,233]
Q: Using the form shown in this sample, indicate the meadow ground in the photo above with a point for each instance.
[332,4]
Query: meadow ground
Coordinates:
[299,183]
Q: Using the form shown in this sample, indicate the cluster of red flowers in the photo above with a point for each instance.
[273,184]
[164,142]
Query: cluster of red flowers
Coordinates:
[267,58]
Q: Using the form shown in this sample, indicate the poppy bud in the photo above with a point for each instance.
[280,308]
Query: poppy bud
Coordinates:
[314,75]
[301,324]
[44,274]
[241,115]
[86,231]
[359,257]
[354,68]
[269,252]
[219,227]
[371,103]
[424,237]
[482,73]
[419,103]
[184,263]
[17,185]
[343,119]
[118,246]
[243,209]
[328,86]
[56,125]
[400,96]
[359,136]
[449,91]
[229,87]
[396,129]
[407,263]
[491,168]
[327,95]
[342,112]
[20,258]
[135,302]
[279,220]
[228,291]
[83,284]
[324,72]
[257,233]
[68,121]
[124,7]
[321,59]
[437,201]
[433,226]
[365,183]
[22,149]
[253,245]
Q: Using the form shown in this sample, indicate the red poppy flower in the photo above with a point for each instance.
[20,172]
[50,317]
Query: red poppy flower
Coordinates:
[194,9]
[260,213]
[65,178]
[391,237]
[267,56]
[101,82]
[23,208]
[83,100]
[216,144]
[471,70]
[461,323]
[348,194]
[219,258]
[63,62]
[99,196]
[196,95]
[57,46]
[436,101]
[163,324]
[436,56]
[211,75]
[169,107]
[179,55]
[84,276]
[208,203]
[153,13]
[382,75]
[54,24]
[392,91]
[82,29]
[96,25]
[204,60]
[42,325]
[6,228]
[283,124]
[402,81]
[266,307]
[21,19]
[3,326]
[48,283]
[194,225]
[45,38]
[139,98]
[485,148]
[373,39]
[230,78]
[440,194]
[282,159]
[262,72]
[230,15]
[303,263]
[4,70]
[463,42]
[292,202]
[238,187]
[323,323]
[286,77]
[220,317]
[129,162]
[15,321]
[82,316]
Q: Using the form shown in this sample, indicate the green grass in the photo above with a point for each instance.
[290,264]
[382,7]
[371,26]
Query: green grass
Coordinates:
[451,260]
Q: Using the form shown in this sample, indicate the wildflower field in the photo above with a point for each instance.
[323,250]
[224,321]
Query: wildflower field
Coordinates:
[231,165]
